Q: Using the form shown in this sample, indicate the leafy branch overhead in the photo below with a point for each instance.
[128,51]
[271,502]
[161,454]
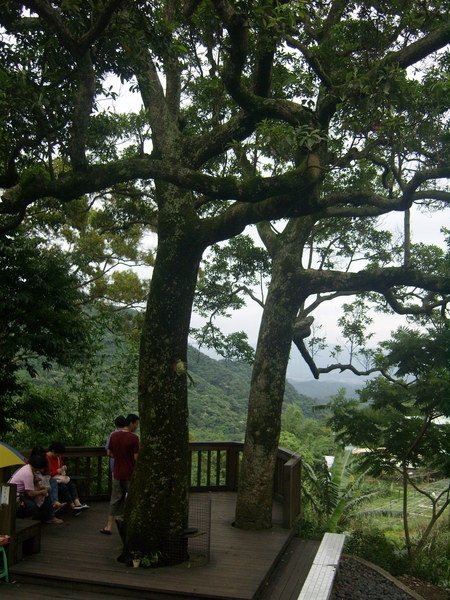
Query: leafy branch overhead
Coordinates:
[347,98]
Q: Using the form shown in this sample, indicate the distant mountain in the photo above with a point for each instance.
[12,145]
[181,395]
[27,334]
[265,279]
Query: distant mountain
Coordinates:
[219,397]
[322,391]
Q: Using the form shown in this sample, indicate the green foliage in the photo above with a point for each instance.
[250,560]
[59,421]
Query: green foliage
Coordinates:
[233,346]
[37,416]
[311,438]
[40,316]
[150,560]
[332,495]
[377,546]
[431,563]
[77,404]
[218,399]
[398,424]
[229,273]
[399,428]
[373,545]
[228,270]
[354,323]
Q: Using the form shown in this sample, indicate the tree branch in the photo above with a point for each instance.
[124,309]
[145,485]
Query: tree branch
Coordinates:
[83,101]
[164,127]
[268,236]
[334,16]
[253,104]
[76,47]
[342,367]
[52,17]
[282,190]
[203,147]
[421,48]
[100,25]
[302,330]
[375,280]
[312,61]
[400,309]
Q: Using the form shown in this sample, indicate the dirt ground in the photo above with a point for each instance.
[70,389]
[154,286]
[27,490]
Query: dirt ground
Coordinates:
[425,589]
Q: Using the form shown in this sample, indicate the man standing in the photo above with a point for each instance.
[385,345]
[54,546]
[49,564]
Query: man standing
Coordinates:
[119,422]
[124,448]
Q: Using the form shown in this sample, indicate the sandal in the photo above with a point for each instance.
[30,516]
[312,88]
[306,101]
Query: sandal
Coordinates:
[105,531]
[54,521]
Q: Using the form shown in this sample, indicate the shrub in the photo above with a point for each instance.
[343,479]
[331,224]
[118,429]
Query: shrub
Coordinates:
[432,563]
[374,546]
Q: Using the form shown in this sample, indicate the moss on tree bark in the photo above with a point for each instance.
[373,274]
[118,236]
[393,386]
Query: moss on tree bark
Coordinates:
[157,507]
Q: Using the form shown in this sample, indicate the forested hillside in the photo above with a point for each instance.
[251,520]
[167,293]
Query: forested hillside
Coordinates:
[54,402]
[218,398]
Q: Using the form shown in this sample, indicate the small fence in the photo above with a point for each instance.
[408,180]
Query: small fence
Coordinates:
[214,467]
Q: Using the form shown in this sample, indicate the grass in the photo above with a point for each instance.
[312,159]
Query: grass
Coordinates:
[377,531]
[386,508]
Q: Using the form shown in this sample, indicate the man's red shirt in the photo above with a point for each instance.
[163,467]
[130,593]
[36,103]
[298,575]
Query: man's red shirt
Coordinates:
[123,445]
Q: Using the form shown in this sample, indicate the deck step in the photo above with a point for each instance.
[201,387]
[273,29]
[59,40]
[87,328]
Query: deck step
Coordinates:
[319,582]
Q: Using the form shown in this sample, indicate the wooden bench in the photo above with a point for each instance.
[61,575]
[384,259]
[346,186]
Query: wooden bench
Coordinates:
[25,540]
[25,534]
[319,582]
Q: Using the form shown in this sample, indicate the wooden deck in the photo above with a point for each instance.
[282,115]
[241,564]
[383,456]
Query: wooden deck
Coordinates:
[76,558]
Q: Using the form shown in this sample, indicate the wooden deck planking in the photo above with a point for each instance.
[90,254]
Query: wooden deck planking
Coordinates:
[78,554]
[39,592]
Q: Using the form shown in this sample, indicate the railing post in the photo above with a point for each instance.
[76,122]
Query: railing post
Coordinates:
[8,510]
[291,491]
[232,470]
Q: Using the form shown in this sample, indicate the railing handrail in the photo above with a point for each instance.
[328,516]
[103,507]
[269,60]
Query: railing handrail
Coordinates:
[214,467]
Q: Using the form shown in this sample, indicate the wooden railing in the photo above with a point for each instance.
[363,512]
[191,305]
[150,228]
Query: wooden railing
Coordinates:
[214,467]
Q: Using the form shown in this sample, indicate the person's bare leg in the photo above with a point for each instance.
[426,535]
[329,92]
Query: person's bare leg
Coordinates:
[107,529]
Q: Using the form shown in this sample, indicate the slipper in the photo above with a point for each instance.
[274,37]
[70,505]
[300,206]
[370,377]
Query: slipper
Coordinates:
[105,531]
[54,521]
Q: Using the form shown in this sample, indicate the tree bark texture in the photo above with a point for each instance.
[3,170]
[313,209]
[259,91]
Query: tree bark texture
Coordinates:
[157,506]
[255,493]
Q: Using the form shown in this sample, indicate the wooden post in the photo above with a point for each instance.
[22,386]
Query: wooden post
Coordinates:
[232,467]
[8,510]
[291,491]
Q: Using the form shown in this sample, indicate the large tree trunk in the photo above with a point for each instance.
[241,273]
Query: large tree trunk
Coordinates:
[255,493]
[157,506]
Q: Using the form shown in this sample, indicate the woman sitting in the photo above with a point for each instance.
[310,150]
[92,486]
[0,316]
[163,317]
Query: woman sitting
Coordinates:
[33,500]
[67,491]
[43,479]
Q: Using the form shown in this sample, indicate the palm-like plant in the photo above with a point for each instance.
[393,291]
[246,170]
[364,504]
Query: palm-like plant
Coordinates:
[334,493]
